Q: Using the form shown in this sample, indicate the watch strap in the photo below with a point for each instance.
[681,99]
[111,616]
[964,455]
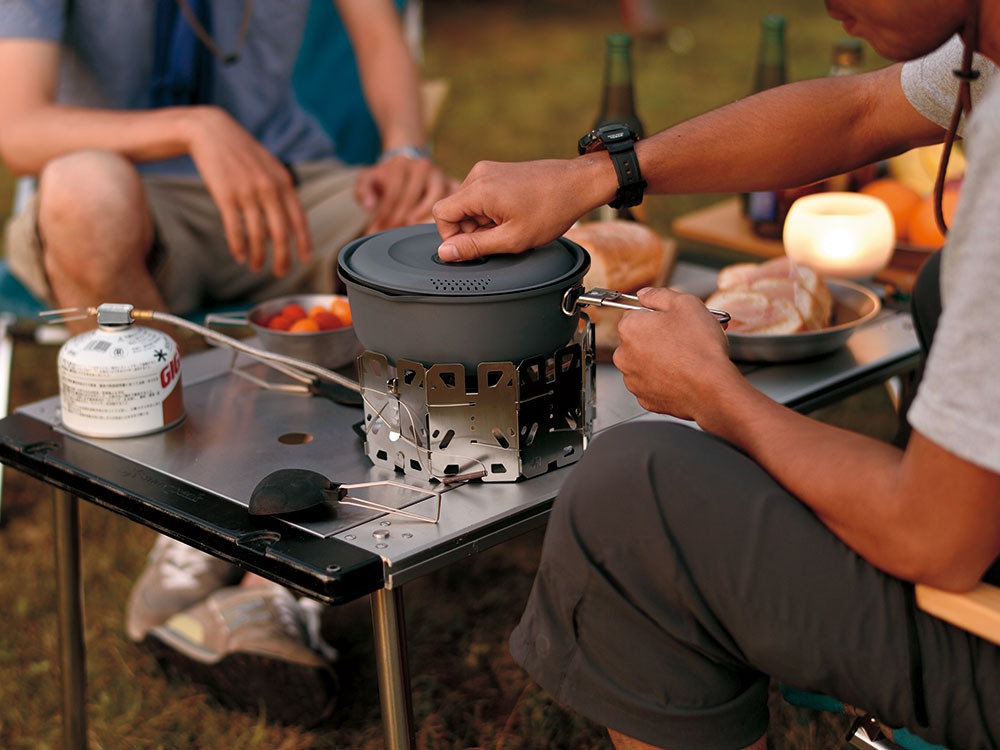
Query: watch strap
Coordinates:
[630,183]
[619,141]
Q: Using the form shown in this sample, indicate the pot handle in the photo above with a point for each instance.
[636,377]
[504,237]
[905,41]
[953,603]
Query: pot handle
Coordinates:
[576,297]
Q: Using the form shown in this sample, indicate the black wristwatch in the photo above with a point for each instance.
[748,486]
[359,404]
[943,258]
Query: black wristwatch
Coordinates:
[619,140]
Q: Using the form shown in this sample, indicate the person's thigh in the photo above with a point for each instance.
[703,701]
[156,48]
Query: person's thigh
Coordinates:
[677,576]
[194,266]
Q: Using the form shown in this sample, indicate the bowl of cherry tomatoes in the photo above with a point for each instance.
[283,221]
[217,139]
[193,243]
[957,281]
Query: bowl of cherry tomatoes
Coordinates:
[317,328]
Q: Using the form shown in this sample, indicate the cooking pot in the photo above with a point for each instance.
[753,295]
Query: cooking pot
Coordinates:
[409,304]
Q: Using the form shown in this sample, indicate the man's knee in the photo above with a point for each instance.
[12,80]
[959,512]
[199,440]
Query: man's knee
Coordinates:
[89,187]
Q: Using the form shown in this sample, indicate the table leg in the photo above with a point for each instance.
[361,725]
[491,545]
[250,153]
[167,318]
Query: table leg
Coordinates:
[6,360]
[72,653]
[393,668]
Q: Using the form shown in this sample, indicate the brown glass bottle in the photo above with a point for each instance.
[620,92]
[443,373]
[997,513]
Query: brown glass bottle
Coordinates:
[848,59]
[618,104]
[763,208]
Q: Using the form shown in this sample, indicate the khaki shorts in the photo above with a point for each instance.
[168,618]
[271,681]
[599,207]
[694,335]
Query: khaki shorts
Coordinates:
[190,261]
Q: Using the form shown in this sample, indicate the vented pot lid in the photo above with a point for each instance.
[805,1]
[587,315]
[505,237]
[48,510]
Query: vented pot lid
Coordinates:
[405,261]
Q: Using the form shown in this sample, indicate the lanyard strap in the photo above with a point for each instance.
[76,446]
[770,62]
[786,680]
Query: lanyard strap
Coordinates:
[963,106]
[226,58]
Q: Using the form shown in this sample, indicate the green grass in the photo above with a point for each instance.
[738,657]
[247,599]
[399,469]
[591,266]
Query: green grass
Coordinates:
[525,81]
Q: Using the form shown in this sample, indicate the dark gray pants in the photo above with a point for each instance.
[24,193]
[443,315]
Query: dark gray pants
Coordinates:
[677,577]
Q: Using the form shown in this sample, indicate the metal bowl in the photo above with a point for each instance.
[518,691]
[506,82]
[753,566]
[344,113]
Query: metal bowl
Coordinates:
[330,349]
[853,305]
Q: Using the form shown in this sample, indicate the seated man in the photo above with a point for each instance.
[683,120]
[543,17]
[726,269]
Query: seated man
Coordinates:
[176,169]
[216,186]
[767,544]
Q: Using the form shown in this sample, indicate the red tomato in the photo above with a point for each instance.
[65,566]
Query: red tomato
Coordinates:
[293,311]
[280,323]
[327,321]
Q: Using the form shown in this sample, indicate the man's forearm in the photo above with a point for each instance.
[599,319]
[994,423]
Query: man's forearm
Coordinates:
[388,72]
[787,136]
[896,509]
[32,139]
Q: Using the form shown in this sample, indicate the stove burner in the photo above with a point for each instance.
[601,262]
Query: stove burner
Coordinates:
[506,422]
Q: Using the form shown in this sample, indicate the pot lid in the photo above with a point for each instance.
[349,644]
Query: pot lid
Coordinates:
[405,261]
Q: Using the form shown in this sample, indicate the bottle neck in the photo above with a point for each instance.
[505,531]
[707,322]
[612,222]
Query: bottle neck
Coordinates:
[771,66]
[618,95]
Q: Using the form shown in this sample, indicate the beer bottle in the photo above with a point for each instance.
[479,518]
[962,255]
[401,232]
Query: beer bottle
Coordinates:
[847,59]
[618,105]
[762,208]
[772,67]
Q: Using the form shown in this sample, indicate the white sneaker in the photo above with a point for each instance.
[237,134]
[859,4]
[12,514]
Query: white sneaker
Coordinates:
[175,577]
[252,647]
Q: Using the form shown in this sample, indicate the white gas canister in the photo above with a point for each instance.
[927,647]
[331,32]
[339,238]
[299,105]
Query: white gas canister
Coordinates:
[120,380]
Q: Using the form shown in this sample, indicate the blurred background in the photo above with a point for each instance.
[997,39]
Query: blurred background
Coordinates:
[525,77]
[523,81]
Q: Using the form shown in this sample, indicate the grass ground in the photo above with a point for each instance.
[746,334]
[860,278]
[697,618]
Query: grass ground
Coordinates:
[525,79]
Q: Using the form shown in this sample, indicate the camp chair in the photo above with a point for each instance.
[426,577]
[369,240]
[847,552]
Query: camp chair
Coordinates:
[976,611]
[16,304]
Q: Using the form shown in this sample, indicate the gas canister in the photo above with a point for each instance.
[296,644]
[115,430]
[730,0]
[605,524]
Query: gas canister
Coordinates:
[121,379]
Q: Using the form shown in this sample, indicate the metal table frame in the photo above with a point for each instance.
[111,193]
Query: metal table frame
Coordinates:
[347,564]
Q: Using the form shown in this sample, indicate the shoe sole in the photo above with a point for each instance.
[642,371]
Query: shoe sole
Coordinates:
[282,691]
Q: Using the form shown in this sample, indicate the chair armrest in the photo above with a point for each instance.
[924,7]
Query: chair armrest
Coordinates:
[977,611]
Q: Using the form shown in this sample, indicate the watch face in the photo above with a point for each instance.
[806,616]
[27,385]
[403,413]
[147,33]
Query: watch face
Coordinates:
[615,132]
[606,135]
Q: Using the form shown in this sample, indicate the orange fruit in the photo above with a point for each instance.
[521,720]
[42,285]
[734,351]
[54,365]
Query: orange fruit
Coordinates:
[304,325]
[901,199]
[342,309]
[922,229]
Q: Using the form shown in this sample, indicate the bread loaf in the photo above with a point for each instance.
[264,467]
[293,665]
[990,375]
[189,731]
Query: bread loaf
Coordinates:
[624,256]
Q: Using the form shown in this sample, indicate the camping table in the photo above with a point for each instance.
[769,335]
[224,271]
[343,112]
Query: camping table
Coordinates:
[193,482]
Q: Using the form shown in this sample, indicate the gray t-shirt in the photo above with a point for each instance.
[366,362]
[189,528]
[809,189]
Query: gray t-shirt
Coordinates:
[108,52]
[932,88]
[958,403]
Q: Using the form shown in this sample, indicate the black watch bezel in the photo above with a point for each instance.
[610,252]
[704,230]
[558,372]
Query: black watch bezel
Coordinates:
[618,139]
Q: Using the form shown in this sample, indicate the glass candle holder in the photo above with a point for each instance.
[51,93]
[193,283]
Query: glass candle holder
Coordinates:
[849,235]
